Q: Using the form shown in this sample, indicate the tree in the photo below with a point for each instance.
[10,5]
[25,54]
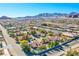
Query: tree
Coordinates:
[72,53]
[25,36]
[33,32]
[56,43]
[50,33]
[51,44]
[28,33]
[43,31]
[24,44]
[45,40]
[44,24]
[43,47]
[12,35]
[17,40]
[1,44]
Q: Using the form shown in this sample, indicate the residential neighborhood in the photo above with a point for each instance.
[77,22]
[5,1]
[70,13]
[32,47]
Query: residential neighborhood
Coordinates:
[39,29]
[33,39]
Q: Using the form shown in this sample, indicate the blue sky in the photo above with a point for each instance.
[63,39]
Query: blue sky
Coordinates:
[30,9]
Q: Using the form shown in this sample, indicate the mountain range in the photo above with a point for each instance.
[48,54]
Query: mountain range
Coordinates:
[46,15]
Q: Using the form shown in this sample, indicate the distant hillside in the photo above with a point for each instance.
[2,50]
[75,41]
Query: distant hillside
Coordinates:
[50,16]
[4,17]
[43,16]
[74,15]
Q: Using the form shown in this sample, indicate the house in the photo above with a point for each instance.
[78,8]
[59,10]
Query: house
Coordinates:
[68,34]
[36,44]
